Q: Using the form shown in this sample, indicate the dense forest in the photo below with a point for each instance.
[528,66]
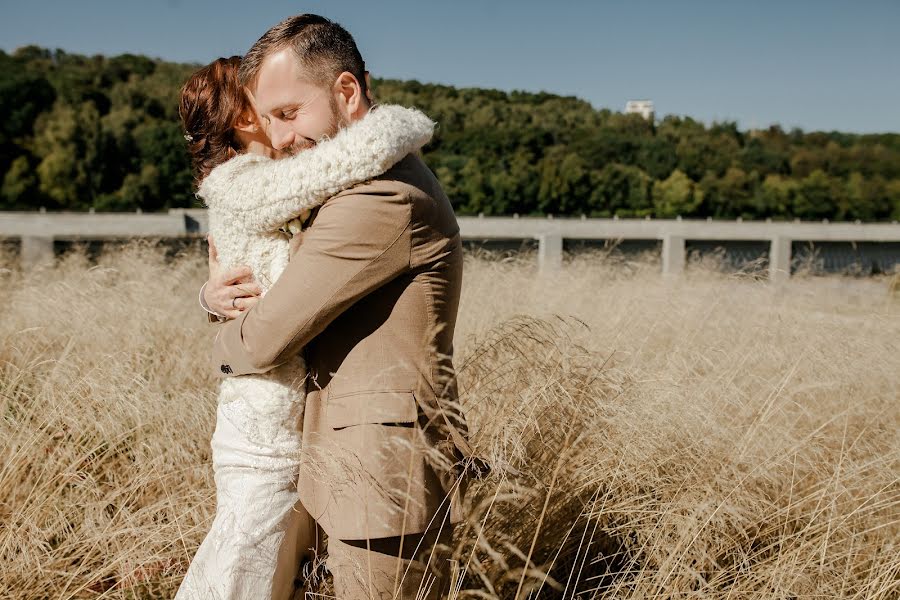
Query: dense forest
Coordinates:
[98,132]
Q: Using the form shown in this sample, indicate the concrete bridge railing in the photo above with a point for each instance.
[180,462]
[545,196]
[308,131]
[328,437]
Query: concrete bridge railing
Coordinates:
[38,230]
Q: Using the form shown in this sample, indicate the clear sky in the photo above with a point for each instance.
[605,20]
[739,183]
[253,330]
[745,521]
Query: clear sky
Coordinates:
[816,64]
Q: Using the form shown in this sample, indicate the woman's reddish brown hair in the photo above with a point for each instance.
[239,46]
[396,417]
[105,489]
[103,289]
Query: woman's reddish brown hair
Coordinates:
[212,101]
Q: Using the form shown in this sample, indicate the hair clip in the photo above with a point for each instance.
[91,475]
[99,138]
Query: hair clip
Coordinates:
[188,137]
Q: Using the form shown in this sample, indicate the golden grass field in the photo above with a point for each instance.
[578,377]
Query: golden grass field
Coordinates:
[706,437]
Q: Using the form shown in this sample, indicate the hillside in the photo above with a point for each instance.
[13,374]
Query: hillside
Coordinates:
[102,132]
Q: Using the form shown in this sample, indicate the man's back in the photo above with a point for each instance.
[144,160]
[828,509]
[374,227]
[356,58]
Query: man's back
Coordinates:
[385,363]
[387,340]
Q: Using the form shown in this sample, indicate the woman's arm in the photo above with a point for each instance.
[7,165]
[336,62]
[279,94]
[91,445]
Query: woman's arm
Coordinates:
[264,194]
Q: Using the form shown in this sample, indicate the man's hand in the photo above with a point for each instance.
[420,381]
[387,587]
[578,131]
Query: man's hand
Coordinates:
[229,292]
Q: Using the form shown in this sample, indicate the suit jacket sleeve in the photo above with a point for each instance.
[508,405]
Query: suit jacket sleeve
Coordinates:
[359,241]
[263,193]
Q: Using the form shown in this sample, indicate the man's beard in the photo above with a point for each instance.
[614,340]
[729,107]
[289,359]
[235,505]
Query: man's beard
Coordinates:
[338,122]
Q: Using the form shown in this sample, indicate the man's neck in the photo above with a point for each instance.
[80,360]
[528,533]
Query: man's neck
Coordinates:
[360,112]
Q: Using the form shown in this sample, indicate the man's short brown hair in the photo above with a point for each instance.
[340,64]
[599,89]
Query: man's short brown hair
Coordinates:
[324,48]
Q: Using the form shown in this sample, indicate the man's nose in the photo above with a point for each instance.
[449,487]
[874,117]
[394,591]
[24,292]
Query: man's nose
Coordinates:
[281,136]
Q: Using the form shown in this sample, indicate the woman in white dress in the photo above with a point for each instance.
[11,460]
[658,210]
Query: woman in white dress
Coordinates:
[252,549]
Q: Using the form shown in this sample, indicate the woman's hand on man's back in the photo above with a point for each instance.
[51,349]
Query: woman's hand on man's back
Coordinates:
[228,292]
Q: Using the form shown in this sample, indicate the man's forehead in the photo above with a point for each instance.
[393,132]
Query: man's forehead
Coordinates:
[280,82]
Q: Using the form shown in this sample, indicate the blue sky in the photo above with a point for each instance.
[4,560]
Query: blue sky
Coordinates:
[816,64]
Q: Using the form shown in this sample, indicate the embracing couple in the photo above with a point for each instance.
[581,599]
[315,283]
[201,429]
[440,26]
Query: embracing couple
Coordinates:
[335,276]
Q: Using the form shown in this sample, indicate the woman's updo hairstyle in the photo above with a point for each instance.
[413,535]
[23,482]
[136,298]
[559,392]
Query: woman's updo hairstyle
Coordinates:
[212,101]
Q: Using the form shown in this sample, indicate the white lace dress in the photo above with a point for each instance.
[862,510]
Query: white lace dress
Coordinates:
[251,550]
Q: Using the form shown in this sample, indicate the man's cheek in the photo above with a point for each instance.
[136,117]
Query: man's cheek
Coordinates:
[302,145]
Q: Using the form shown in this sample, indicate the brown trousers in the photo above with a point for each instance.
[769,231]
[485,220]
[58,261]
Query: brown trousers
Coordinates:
[411,567]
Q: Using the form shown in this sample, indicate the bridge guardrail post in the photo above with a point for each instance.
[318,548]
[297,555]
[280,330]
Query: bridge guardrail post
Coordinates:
[35,250]
[673,257]
[780,259]
[550,249]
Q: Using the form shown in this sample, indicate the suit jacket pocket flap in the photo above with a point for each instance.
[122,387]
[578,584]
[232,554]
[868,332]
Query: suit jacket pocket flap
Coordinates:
[371,407]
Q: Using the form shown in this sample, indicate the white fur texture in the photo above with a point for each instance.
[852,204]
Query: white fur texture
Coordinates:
[251,196]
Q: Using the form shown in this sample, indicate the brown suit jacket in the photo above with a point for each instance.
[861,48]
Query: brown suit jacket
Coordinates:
[371,294]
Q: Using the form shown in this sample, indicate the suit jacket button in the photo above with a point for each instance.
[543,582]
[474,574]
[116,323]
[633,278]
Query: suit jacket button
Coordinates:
[226,369]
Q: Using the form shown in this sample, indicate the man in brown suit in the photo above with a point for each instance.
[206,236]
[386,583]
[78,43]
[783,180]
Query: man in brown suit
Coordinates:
[371,295]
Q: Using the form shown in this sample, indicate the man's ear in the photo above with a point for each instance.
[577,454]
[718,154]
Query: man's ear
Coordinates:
[246,123]
[369,95]
[349,93]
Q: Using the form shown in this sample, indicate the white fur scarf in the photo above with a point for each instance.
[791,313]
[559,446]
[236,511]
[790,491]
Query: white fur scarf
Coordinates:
[250,197]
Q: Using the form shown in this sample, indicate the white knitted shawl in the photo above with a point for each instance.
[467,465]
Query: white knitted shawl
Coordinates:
[250,197]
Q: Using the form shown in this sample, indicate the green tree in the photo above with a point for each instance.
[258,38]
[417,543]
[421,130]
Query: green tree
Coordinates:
[700,154]
[764,158]
[67,142]
[474,187]
[817,194]
[565,181]
[138,189]
[730,195]
[676,195]
[23,96]
[621,190]
[513,185]
[20,185]
[775,196]
[866,199]
[892,190]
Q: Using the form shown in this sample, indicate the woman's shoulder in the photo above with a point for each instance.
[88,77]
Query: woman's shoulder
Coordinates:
[223,178]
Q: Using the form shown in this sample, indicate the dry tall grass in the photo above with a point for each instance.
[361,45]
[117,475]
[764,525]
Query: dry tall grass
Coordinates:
[710,437]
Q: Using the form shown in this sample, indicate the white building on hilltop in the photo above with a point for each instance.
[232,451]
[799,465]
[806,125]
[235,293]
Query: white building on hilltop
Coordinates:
[641,107]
